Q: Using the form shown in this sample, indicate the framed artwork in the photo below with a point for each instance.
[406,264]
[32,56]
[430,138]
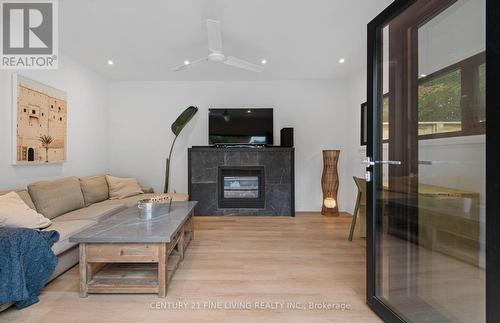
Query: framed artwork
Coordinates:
[364,124]
[39,116]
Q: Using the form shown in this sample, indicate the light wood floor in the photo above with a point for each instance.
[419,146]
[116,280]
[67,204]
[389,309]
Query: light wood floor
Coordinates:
[240,260]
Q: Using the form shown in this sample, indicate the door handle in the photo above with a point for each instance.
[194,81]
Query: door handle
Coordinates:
[368,162]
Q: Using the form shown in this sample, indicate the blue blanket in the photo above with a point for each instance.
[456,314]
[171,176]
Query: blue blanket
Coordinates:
[26,263]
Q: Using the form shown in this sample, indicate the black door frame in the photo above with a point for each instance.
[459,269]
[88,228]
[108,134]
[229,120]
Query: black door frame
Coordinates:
[492,160]
[374,81]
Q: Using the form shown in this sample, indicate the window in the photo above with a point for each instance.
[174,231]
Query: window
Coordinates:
[481,107]
[451,101]
[385,117]
[439,103]
[364,121]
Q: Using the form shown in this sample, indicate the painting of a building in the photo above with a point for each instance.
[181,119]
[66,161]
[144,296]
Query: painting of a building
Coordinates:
[41,112]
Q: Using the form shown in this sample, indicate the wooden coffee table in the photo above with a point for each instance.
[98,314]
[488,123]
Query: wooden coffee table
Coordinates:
[126,254]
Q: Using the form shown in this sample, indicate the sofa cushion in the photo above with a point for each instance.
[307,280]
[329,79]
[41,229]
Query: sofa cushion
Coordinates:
[94,189]
[25,196]
[66,229]
[53,198]
[122,187]
[95,212]
[15,213]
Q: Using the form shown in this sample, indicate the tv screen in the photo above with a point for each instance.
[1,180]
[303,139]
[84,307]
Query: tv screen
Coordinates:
[249,126]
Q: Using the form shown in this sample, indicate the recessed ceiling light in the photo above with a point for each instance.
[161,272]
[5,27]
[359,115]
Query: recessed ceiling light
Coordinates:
[186,62]
[264,62]
[249,111]
[423,75]
[110,62]
[342,60]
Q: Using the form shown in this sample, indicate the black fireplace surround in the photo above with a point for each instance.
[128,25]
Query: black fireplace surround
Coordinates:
[241,180]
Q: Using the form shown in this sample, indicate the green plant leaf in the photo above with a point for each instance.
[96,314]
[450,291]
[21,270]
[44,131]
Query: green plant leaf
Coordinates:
[183,119]
[179,124]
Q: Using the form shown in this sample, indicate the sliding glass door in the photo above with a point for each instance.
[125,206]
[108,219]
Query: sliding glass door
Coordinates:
[427,239]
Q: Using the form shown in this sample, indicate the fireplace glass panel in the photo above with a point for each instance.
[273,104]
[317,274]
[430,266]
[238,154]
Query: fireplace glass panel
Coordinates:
[241,187]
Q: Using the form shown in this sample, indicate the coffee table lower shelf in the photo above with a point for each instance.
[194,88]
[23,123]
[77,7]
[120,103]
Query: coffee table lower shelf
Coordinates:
[132,267]
[139,278]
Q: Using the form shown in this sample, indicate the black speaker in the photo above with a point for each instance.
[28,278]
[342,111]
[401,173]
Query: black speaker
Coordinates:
[287,137]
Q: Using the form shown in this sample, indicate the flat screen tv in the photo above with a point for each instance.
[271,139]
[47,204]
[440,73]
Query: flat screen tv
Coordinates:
[248,126]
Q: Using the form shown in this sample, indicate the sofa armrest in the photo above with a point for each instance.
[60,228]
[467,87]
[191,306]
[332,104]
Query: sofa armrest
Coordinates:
[147,189]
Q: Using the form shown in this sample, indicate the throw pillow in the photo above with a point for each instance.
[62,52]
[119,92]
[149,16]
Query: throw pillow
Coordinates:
[121,187]
[14,212]
[94,188]
[57,197]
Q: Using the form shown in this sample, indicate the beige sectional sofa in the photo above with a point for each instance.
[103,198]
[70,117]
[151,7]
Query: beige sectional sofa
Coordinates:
[73,204]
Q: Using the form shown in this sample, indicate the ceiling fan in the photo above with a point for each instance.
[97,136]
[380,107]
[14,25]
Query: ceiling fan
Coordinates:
[216,52]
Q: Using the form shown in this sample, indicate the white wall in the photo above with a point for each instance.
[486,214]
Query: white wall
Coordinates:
[133,121]
[141,113]
[87,125]
[356,95]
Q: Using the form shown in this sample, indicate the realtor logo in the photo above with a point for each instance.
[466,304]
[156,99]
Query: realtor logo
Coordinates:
[29,35]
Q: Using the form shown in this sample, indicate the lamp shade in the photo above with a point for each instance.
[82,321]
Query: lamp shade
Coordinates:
[330,202]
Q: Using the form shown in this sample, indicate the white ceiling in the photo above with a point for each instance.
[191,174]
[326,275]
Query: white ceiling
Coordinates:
[301,39]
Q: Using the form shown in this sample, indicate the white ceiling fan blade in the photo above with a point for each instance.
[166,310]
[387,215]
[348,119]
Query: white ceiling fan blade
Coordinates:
[184,66]
[214,36]
[236,62]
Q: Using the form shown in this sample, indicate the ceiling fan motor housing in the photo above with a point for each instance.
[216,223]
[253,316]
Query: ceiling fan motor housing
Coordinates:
[216,57]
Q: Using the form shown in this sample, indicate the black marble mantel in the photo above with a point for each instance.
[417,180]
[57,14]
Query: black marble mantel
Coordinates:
[278,162]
